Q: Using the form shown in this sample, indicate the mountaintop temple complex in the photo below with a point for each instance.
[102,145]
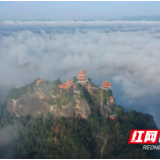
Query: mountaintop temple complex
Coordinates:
[82,78]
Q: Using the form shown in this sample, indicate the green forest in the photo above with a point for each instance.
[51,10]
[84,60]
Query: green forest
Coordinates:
[46,136]
[74,137]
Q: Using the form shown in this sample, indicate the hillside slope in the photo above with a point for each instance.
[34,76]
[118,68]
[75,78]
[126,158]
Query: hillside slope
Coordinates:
[47,97]
[68,123]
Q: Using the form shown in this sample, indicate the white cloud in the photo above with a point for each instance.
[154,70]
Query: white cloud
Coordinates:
[130,56]
[108,25]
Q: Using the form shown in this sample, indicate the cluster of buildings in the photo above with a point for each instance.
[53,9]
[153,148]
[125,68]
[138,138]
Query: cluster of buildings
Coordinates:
[81,78]
[105,86]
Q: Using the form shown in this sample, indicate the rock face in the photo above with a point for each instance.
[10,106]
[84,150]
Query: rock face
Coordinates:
[34,104]
[105,109]
[27,105]
[78,107]
[111,107]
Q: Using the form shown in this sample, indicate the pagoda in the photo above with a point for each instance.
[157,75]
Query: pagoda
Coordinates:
[81,76]
[106,85]
[66,85]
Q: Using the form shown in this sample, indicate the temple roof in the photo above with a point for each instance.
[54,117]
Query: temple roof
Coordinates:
[39,80]
[82,72]
[81,76]
[69,82]
[106,86]
[113,115]
[111,97]
[106,82]
[66,85]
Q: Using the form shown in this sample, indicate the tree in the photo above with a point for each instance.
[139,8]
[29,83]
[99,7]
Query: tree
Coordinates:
[89,79]
[77,86]
[130,111]
[107,112]
[78,116]
[116,110]
[131,115]
[56,141]
[74,80]
[57,129]
[117,127]
[57,82]
[109,93]
[120,111]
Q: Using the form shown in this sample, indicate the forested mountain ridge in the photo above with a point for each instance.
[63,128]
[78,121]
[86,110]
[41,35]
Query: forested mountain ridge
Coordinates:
[47,135]
[46,97]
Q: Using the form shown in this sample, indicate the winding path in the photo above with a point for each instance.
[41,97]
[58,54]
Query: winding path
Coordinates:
[105,141]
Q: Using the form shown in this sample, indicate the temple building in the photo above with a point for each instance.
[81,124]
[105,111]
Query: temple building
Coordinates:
[62,85]
[112,117]
[82,76]
[69,83]
[66,85]
[38,81]
[111,99]
[106,85]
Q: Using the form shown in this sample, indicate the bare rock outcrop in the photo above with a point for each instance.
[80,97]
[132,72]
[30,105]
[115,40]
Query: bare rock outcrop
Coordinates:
[44,98]
[32,105]
[27,105]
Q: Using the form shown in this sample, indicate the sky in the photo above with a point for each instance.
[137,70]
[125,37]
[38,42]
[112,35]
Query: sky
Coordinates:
[77,10]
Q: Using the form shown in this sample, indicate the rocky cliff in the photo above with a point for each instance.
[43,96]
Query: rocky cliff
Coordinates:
[46,97]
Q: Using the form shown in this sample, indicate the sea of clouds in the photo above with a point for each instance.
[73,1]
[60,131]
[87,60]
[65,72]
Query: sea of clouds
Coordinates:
[127,53]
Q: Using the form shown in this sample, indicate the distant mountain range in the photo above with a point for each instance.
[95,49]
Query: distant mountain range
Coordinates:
[138,18]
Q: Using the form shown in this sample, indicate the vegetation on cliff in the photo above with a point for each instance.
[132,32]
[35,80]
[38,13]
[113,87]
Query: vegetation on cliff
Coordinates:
[16,93]
[74,137]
